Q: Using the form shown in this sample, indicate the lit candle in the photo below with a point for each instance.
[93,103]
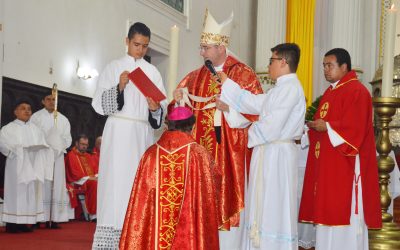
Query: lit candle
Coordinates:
[173,60]
[388,56]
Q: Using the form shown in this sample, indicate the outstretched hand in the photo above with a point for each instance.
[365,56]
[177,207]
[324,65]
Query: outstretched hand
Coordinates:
[178,95]
[222,76]
[221,105]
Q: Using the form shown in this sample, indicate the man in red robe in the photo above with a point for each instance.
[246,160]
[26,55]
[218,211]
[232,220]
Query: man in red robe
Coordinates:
[96,151]
[81,170]
[228,146]
[341,192]
[173,204]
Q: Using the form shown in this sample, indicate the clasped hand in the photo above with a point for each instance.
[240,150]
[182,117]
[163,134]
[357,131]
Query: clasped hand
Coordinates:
[318,125]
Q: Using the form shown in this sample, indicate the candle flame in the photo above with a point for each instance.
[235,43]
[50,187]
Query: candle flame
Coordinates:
[392,7]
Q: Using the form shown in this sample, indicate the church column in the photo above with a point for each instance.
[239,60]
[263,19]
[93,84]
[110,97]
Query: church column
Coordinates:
[271,30]
[352,25]
[346,26]
[1,48]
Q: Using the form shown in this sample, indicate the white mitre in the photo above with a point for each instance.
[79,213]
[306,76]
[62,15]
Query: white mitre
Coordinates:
[214,33]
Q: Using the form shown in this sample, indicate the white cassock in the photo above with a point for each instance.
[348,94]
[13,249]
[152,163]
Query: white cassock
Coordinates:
[25,147]
[127,134]
[271,201]
[58,137]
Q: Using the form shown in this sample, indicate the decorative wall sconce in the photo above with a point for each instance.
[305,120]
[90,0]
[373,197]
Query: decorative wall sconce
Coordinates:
[86,73]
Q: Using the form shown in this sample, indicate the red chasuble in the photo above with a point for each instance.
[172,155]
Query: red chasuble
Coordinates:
[77,166]
[96,157]
[232,154]
[173,204]
[329,178]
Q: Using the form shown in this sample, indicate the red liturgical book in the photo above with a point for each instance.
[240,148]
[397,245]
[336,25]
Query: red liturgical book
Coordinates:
[145,85]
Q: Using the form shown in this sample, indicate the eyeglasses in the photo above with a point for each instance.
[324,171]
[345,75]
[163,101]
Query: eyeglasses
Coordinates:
[328,66]
[204,48]
[271,59]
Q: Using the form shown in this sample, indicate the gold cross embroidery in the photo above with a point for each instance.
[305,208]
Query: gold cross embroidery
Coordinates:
[317,149]
[324,110]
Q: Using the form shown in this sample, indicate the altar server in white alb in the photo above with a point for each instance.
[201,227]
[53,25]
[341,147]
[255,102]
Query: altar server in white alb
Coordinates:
[128,132]
[25,147]
[271,203]
[57,131]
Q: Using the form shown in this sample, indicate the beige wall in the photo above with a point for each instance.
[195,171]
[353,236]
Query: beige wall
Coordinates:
[43,34]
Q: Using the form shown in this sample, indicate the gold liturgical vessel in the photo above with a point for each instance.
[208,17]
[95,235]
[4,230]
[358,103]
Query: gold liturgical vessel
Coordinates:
[386,111]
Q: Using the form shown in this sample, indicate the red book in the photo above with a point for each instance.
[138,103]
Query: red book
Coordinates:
[145,85]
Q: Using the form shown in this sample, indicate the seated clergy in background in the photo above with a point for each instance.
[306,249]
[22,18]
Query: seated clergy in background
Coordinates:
[96,151]
[25,147]
[173,204]
[82,170]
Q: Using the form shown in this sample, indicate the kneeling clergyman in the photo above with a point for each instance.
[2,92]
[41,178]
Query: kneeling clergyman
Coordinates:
[173,204]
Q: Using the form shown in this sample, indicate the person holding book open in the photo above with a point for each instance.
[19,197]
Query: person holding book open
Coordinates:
[128,132]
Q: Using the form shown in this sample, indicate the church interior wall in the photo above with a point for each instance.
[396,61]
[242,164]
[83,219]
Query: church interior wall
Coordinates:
[45,39]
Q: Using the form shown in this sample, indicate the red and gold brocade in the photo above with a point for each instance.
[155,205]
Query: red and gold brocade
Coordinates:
[329,177]
[232,154]
[77,166]
[173,204]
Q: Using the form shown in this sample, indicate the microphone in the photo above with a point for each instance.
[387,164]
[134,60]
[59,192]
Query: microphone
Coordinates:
[211,68]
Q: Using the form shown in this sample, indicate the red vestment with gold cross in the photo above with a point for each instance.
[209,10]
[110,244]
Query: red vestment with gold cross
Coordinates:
[232,154]
[330,171]
[173,204]
[77,166]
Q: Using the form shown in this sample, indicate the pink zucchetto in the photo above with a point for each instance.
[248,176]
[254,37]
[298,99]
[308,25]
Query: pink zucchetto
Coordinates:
[180,113]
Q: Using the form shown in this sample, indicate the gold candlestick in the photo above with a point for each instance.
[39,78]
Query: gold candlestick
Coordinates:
[389,236]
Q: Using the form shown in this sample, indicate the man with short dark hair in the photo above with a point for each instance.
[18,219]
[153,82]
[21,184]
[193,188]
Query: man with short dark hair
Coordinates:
[271,208]
[25,147]
[57,131]
[341,191]
[173,203]
[129,130]
[81,169]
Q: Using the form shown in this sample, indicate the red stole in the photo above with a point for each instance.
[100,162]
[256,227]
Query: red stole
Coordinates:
[171,172]
[232,154]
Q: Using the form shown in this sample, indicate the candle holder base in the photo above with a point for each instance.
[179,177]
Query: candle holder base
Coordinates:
[389,236]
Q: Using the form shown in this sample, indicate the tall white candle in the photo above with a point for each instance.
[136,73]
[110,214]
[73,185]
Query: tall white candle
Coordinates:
[173,60]
[128,25]
[388,56]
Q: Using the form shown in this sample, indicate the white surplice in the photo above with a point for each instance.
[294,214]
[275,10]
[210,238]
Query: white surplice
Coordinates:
[58,137]
[127,134]
[25,147]
[271,201]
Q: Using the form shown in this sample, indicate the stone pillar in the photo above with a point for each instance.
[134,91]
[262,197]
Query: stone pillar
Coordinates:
[271,30]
